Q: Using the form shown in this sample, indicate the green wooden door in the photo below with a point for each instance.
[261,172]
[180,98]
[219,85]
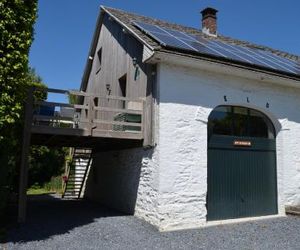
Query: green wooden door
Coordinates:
[241,164]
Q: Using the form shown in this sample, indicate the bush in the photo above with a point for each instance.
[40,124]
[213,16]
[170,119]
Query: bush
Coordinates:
[44,163]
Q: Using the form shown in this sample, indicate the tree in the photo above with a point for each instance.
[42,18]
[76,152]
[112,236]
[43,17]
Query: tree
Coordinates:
[17,18]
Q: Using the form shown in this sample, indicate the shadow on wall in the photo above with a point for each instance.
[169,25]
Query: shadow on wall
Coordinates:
[48,215]
[114,179]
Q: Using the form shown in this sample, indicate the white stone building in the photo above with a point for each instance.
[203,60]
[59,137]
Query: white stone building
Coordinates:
[224,124]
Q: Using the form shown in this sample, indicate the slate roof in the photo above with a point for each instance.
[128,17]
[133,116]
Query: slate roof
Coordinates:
[127,18]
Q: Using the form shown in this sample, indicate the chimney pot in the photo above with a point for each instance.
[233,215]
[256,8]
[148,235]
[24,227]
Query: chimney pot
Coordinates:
[209,21]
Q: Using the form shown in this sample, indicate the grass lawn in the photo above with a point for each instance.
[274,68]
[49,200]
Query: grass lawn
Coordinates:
[53,186]
[38,191]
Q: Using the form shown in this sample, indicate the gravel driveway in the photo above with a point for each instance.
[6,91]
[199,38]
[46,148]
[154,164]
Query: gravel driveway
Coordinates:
[56,224]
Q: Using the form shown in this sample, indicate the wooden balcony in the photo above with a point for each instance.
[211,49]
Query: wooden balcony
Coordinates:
[82,120]
[106,122]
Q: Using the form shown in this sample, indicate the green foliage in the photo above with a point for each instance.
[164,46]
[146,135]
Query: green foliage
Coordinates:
[44,163]
[73,99]
[53,186]
[17,18]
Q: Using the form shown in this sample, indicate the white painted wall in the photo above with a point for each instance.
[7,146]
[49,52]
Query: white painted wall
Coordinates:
[187,97]
[167,185]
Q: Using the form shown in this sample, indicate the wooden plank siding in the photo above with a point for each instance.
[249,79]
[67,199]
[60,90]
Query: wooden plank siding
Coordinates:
[119,48]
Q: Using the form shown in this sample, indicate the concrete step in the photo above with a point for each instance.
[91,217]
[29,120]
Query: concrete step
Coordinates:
[295,210]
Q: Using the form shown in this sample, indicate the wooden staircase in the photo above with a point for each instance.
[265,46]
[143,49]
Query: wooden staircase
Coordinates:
[77,173]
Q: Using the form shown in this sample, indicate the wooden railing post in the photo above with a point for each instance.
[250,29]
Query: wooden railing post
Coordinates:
[91,114]
[24,156]
[147,122]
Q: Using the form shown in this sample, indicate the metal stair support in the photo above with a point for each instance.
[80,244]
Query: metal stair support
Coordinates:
[77,173]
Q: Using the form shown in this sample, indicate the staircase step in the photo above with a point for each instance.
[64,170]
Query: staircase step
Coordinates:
[79,150]
[81,157]
[77,173]
[73,189]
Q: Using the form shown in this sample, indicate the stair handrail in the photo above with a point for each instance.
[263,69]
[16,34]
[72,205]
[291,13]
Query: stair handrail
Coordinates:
[67,172]
[85,174]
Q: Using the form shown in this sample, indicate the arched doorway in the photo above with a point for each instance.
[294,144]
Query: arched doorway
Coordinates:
[242,178]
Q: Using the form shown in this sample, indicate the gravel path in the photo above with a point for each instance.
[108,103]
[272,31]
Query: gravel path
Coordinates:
[56,224]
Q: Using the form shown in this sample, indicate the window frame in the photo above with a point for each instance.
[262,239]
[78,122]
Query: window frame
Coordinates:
[99,61]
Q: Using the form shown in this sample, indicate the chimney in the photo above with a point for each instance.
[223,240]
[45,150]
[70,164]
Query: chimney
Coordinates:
[209,21]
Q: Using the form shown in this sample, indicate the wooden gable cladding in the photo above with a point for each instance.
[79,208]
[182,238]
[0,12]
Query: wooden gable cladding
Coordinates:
[121,56]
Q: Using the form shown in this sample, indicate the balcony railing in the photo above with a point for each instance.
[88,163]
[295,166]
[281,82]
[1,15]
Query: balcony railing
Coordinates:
[95,115]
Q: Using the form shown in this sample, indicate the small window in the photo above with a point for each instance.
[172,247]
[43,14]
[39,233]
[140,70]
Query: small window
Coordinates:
[99,62]
[123,88]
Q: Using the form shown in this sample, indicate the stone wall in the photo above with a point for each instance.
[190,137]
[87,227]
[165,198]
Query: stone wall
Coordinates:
[187,97]
[126,181]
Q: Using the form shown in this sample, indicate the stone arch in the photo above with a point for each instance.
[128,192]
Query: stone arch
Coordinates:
[277,125]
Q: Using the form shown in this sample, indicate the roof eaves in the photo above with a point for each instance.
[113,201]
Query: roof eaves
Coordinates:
[92,50]
[228,62]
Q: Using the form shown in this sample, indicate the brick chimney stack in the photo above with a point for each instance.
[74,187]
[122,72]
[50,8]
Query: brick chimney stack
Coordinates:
[209,21]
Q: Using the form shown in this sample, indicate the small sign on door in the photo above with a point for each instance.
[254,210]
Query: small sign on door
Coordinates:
[242,143]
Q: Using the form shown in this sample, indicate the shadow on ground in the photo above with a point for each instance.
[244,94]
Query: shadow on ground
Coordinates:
[48,215]
[58,224]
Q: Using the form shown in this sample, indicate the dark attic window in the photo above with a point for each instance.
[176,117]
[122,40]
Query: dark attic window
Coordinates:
[99,62]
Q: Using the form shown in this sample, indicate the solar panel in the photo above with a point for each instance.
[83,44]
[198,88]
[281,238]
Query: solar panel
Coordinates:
[185,41]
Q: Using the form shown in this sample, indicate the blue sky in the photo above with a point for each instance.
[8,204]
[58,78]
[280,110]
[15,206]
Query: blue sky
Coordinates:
[64,28]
